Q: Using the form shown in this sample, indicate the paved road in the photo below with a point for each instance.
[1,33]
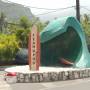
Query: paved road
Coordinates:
[3,84]
[80,84]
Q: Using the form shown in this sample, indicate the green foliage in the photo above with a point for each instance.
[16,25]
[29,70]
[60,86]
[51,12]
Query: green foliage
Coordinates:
[22,36]
[12,28]
[40,26]
[85,21]
[22,30]
[15,35]
[8,47]
[24,22]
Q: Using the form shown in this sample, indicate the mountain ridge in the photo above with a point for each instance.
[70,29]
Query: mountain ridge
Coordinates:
[14,11]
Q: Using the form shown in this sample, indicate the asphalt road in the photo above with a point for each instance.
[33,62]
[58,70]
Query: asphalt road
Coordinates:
[79,84]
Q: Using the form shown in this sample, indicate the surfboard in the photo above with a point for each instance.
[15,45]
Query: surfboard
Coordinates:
[34,49]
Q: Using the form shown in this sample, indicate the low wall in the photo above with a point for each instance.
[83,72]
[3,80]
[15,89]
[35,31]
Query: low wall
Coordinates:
[52,76]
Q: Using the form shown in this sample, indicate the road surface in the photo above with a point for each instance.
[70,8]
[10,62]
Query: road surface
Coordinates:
[80,84]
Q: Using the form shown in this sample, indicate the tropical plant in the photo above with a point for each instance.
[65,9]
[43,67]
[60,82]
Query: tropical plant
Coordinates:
[22,36]
[85,21]
[24,22]
[8,47]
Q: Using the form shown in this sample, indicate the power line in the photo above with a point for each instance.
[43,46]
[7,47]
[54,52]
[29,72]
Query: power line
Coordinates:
[38,7]
[86,8]
[42,8]
[54,11]
[61,9]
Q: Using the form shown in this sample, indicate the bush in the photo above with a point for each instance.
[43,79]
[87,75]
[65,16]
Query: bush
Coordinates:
[8,47]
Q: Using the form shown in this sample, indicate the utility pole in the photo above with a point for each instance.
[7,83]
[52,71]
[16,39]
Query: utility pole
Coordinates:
[78,10]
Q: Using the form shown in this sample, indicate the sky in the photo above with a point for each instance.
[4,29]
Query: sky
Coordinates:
[52,4]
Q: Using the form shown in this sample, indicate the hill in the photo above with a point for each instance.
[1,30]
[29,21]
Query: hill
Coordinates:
[14,11]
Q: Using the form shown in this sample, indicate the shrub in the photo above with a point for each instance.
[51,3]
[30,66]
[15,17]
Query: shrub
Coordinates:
[8,47]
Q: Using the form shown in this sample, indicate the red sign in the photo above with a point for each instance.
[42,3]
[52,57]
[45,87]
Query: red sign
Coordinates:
[34,49]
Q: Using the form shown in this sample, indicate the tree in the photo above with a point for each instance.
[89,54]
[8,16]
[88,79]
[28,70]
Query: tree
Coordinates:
[40,24]
[22,36]
[24,22]
[3,23]
[85,21]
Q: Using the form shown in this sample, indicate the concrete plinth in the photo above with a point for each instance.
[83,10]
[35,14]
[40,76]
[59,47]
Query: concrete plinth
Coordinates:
[48,74]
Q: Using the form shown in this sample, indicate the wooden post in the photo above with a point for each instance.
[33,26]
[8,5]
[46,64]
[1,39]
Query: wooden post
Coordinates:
[34,49]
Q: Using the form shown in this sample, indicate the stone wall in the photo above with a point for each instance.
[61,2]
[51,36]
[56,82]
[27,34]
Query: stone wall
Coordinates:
[52,76]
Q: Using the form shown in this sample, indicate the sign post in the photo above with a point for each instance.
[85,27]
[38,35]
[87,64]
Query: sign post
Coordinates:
[34,49]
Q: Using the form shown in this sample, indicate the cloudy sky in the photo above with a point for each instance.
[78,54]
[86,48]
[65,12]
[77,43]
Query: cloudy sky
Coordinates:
[54,4]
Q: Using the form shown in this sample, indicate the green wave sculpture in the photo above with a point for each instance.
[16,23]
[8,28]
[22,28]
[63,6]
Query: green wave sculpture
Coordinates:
[64,38]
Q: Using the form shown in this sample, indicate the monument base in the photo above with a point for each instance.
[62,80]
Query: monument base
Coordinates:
[47,74]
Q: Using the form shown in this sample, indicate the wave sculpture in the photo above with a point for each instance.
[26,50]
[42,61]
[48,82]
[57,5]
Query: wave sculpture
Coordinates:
[63,44]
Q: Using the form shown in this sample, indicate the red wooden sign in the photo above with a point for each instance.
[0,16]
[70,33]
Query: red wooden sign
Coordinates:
[34,49]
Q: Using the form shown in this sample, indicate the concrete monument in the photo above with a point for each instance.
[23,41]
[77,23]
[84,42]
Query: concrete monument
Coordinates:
[34,49]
